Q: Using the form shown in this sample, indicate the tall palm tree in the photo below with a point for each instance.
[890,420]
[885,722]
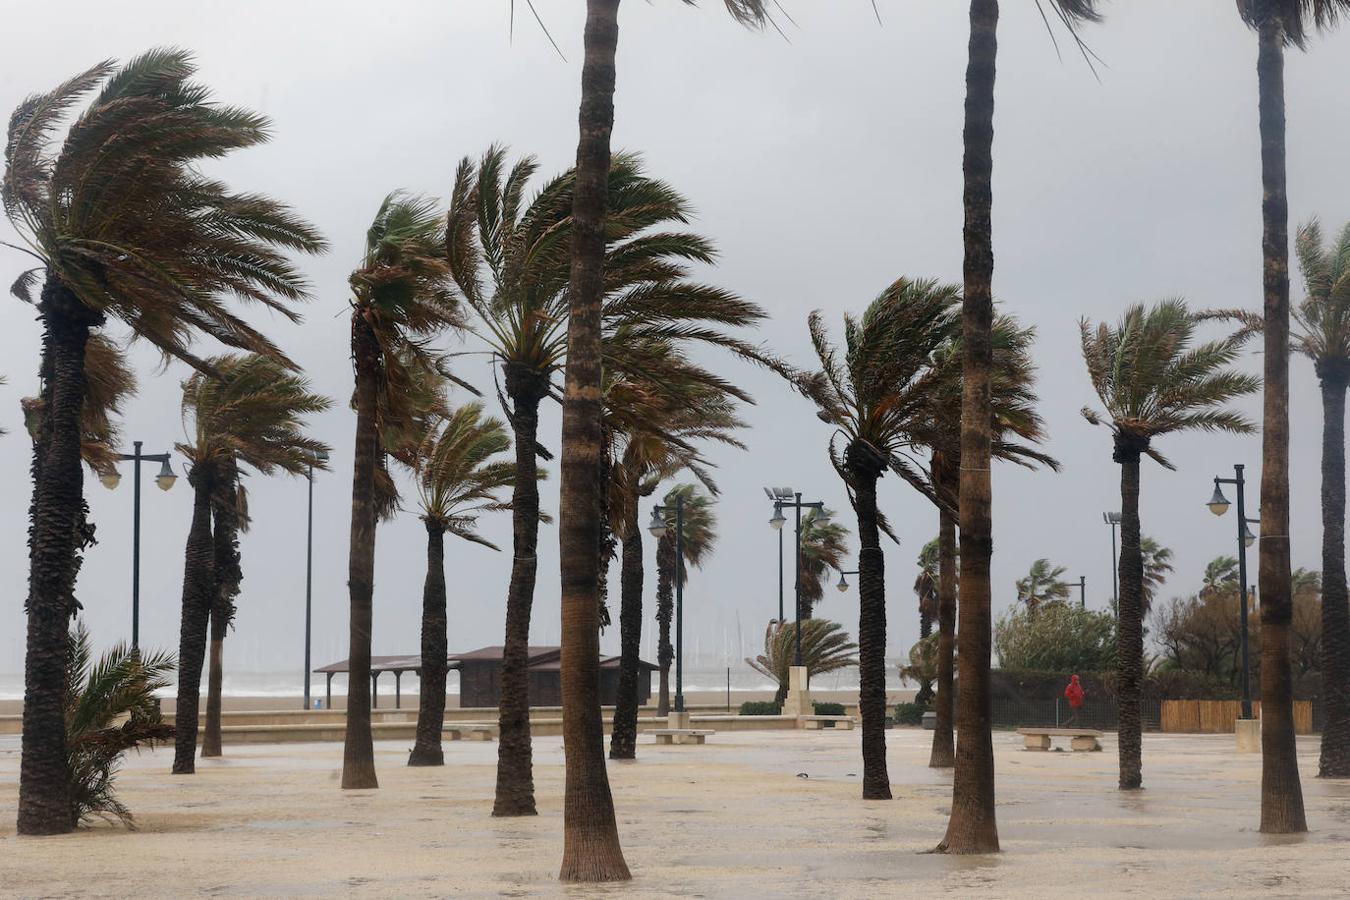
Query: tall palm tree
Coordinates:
[250,412]
[1153,380]
[591,850]
[125,227]
[229,519]
[972,827]
[459,474]
[1043,582]
[1278,24]
[522,312]
[874,394]
[1157,566]
[700,536]
[824,547]
[1324,320]
[401,299]
[926,587]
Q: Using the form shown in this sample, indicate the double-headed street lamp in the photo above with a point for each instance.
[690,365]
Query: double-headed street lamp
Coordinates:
[320,457]
[165,479]
[786,498]
[1218,504]
[657,527]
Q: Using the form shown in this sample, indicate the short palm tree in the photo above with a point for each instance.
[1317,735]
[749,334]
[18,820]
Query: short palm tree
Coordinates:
[460,472]
[125,227]
[510,259]
[1278,24]
[1157,566]
[874,394]
[1221,577]
[401,300]
[1043,583]
[825,648]
[700,536]
[1324,337]
[249,413]
[1153,380]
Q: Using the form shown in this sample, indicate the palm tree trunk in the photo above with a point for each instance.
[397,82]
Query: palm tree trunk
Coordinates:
[515,762]
[1281,792]
[623,740]
[943,755]
[215,677]
[1335,757]
[358,750]
[435,649]
[199,589]
[227,577]
[973,827]
[871,635]
[1130,621]
[665,609]
[57,523]
[591,849]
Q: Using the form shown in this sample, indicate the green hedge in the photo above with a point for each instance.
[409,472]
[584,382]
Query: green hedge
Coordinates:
[759,708]
[909,714]
[826,708]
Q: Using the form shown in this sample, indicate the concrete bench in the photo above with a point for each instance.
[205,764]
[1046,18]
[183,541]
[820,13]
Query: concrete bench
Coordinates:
[679,735]
[1079,738]
[474,732]
[815,723]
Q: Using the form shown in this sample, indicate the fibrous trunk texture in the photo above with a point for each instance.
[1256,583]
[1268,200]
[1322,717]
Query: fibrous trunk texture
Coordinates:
[225,539]
[1130,622]
[515,764]
[427,750]
[665,611]
[623,739]
[1281,792]
[358,749]
[591,851]
[199,591]
[871,635]
[973,827]
[1334,761]
[943,754]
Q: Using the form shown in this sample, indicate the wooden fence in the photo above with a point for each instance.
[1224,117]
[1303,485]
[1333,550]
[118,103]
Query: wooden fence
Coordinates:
[1217,716]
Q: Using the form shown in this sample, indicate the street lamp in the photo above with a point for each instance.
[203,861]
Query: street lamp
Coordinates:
[320,457]
[657,527]
[165,480]
[785,498]
[842,584]
[776,523]
[1218,504]
[1113,519]
[1082,592]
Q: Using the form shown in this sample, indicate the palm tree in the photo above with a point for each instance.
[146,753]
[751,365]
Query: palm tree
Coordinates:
[1157,566]
[825,648]
[1324,320]
[1043,583]
[874,395]
[700,536]
[926,587]
[824,547]
[250,412]
[459,474]
[1221,577]
[1279,24]
[1153,382]
[401,299]
[972,827]
[523,314]
[125,227]
[229,519]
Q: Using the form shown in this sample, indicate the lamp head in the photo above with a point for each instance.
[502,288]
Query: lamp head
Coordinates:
[776,523]
[111,479]
[843,583]
[165,478]
[1247,537]
[823,516]
[657,526]
[1218,504]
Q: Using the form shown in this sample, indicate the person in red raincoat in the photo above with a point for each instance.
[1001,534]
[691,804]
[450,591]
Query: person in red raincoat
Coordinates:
[1074,694]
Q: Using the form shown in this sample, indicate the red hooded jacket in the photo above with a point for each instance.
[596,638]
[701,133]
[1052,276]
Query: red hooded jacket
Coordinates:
[1074,692]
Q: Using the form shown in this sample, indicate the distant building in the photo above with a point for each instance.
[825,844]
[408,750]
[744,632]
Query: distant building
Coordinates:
[480,674]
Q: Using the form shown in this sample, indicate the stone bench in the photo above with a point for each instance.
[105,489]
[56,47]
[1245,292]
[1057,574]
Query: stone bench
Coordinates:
[815,723]
[679,735]
[473,732]
[1079,738]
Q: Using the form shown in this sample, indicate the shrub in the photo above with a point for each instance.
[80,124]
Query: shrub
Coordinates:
[825,708]
[1060,637]
[759,708]
[909,714]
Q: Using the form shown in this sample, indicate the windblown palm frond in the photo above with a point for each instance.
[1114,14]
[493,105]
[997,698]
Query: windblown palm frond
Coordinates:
[1157,566]
[1043,583]
[1324,315]
[824,547]
[825,648]
[459,472]
[109,383]
[1153,380]
[1300,19]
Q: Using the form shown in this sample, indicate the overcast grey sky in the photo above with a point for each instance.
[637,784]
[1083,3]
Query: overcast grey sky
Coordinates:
[824,167]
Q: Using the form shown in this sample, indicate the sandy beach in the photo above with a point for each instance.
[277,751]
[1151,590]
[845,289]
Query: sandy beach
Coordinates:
[748,814]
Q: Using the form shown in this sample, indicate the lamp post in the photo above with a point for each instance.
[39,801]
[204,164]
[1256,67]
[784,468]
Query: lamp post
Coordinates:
[1218,504]
[784,498]
[1113,519]
[842,584]
[657,527]
[319,457]
[165,480]
[1082,592]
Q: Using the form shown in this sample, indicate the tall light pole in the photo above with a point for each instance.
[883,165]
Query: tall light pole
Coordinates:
[657,527]
[319,457]
[774,494]
[1082,592]
[794,501]
[165,479]
[1113,519]
[1218,504]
